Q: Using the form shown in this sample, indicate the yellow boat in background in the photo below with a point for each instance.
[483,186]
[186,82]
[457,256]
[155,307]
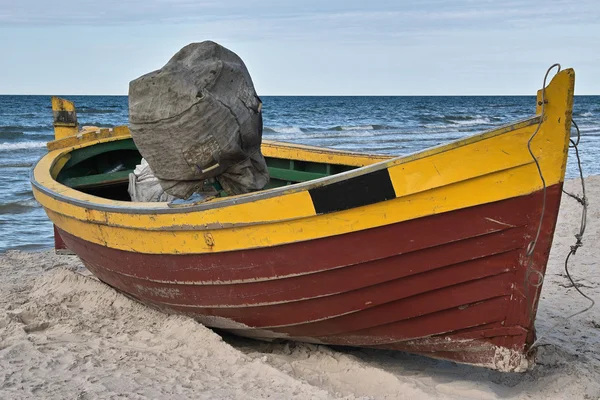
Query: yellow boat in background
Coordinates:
[440,253]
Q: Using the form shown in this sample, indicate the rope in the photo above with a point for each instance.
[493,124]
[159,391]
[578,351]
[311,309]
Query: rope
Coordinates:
[531,247]
[579,236]
[578,243]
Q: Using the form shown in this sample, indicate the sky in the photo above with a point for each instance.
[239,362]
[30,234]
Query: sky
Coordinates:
[311,47]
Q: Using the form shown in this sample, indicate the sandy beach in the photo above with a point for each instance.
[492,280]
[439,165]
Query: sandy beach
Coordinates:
[64,334]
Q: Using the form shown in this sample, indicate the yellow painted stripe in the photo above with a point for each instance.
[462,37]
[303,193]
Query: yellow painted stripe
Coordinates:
[280,208]
[463,194]
[476,159]
[318,154]
[484,168]
[465,162]
[88,137]
[62,129]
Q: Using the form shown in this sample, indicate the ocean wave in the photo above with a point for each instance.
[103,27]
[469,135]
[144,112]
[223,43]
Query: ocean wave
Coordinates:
[474,121]
[19,207]
[460,126]
[461,117]
[352,128]
[16,165]
[24,193]
[90,110]
[507,105]
[592,128]
[21,145]
[41,135]
[329,135]
[28,247]
[587,114]
[440,127]
[385,149]
[11,135]
[283,129]
[25,128]
[26,115]
[455,119]
[100,124]
[588,132]
[433,138]
[337,128]
[360,127]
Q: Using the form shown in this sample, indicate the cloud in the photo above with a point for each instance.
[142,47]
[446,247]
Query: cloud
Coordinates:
[308,47]
[119,12]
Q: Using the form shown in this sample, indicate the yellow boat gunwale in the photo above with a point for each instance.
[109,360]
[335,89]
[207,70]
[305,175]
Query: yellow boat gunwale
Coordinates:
[487,167]
[49,186]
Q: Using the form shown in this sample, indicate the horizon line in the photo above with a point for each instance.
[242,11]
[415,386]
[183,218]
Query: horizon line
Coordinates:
[314,95]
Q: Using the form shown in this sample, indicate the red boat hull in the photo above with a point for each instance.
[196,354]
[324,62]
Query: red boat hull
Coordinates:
[454,285]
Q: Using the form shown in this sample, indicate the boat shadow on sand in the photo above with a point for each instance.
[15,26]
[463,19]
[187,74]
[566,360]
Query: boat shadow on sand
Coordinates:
[344,370]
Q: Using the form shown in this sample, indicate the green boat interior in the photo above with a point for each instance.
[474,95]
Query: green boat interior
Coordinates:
[103,170]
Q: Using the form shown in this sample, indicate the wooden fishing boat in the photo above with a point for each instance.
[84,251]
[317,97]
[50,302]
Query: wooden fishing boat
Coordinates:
[440,253]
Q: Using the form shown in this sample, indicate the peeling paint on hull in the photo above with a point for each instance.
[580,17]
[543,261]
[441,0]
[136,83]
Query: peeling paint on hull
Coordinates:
[454,291]
[423,253]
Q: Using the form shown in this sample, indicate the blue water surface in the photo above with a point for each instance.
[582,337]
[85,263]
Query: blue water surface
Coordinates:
[383,124]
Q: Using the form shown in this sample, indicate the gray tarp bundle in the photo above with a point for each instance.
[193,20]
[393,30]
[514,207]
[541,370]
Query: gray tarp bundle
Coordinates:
[199,117]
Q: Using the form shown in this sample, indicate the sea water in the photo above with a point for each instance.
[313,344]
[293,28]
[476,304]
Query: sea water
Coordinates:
[382,124]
